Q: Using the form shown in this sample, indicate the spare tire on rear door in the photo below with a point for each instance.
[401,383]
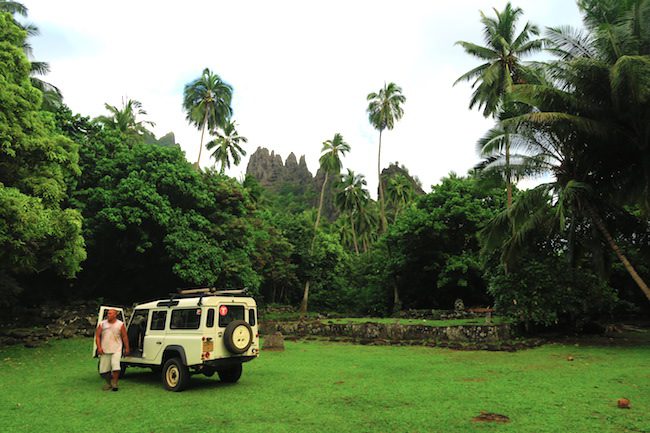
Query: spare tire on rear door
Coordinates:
[238,336]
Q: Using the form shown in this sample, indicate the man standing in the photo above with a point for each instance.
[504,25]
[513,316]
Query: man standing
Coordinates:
[109,337]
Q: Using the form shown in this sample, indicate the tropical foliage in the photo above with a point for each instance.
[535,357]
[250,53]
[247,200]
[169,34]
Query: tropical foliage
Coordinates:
[101,208]
[38,230]
[598,97]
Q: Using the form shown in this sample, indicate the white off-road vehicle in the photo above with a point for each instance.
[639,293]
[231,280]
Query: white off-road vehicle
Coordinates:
[198,331]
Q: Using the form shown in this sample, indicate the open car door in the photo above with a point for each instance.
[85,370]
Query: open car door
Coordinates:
[103,312]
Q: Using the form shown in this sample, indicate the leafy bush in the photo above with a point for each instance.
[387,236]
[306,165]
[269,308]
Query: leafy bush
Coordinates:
[547,291]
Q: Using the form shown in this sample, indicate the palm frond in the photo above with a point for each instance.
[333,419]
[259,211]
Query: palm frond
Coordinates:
[478,51]
[568,43]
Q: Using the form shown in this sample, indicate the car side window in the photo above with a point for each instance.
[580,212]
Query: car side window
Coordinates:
[251,317]
[187,318]
[209,321]
[158,320]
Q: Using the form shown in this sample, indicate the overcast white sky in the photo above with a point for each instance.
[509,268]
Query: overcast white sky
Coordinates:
[301,70]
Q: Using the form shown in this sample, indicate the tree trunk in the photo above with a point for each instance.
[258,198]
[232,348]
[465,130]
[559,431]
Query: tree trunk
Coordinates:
[305,298]
[305,295]
[612,243]
[397,304]
[205,122]
[382,211]
[354,235]
[320,204]
[508,176]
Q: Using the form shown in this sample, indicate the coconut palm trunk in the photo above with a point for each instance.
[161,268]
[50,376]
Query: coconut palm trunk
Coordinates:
[382,211]
[205,122]
[305,294]
[354,235]
[508,174]
[612,244]
[320,205]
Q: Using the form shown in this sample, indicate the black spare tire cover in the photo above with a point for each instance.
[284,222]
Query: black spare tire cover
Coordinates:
[238,336]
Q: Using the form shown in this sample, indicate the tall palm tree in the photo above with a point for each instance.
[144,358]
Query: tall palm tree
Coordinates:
[330,162]
[227,146]
[400,192]
[502,66]
[125,119]
[384,109]
[351,197]
[206,101]
[590,127]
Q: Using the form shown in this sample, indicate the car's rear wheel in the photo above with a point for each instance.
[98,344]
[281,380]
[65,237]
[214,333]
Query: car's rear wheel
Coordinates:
[230,374]
[238,336]
[175,375]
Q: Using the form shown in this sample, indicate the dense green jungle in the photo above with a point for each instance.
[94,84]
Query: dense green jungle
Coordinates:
[100,208]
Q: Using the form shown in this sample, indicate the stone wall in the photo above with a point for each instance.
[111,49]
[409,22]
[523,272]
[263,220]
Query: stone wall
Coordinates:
[386,333]
[32,327]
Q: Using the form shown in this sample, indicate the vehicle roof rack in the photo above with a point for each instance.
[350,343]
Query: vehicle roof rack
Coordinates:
[207,291]
[201,292]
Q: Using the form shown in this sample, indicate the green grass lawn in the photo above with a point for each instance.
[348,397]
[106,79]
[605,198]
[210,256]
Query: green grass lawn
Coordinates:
[331,387]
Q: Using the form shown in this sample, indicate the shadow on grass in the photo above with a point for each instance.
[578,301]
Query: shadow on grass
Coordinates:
[620,337]
[197,381]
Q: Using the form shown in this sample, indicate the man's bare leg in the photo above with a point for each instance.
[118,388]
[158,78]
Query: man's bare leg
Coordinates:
[116,376]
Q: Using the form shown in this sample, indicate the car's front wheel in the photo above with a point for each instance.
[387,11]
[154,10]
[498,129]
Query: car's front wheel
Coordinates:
[230,374]
[175,375]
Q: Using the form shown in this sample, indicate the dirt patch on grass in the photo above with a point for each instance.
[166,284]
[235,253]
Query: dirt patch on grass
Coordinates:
[490,417]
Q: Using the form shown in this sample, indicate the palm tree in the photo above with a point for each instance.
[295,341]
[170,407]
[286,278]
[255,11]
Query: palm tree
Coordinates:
[227,146]
[52,97]
[13,7]
[384,109]
[368,220]
[125,119]
[351,197]
[494,78]
[400,192]
[330,162]
[206,101]
[590,129]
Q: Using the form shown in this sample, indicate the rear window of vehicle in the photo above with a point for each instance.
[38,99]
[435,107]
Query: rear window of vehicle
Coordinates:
[186,319]
[228,313]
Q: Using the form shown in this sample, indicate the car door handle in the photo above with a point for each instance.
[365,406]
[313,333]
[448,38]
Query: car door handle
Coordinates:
[158,342]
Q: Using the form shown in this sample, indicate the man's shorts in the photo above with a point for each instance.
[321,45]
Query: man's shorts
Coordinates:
[109,362]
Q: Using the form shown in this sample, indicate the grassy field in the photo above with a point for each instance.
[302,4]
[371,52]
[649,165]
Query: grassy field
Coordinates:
[329,387]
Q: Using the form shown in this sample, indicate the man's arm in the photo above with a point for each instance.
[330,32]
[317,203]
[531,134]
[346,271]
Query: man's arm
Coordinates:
[98,339]
[125,340]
